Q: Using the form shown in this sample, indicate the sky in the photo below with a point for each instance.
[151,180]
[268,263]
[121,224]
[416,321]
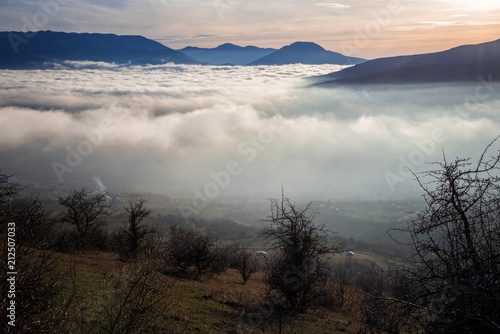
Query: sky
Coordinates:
[367,29]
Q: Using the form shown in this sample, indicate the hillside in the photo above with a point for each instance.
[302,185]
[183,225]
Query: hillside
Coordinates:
[460,64]
[211,304]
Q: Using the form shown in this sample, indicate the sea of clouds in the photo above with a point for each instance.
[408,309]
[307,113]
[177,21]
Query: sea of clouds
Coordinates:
[223,131]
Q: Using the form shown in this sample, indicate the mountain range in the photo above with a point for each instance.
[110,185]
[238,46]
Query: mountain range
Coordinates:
[20,50]
[298,52]
[460,64]
[227,54]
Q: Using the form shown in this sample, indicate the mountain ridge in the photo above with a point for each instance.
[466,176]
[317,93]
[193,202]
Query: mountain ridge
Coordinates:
[16,51]
[462,63]
[227,54]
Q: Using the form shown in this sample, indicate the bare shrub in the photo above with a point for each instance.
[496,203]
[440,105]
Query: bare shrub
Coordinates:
[132,299]
[25,232]
[243,260]
[297,273]
[187,248]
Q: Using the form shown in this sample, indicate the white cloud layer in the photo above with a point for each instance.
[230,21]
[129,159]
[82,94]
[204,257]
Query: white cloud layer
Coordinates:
[178,129]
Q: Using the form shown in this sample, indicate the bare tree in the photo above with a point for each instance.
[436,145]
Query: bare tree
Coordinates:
[297,271]
[243,260]
[85,211]
[456,246]
[137,230]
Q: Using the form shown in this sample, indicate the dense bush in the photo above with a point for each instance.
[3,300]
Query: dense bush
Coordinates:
[187,248]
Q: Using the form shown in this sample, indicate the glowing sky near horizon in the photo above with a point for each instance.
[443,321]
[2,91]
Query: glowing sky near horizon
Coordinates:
[411,26]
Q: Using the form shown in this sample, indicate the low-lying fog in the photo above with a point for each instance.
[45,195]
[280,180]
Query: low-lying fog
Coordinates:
[226,131]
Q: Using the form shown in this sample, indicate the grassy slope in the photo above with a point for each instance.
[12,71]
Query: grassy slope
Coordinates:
[216,304]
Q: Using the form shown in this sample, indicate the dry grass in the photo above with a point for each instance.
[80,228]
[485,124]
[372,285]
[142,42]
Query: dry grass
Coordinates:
[210,304]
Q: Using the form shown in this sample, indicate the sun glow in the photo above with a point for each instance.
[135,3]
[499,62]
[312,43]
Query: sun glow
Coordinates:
[479,5]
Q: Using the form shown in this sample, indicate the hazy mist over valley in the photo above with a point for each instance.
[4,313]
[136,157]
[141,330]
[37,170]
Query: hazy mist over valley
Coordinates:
[175,129]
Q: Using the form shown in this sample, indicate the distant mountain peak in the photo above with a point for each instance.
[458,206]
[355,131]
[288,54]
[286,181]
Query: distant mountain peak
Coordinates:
[306,46]
[306,53]
[227,47]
